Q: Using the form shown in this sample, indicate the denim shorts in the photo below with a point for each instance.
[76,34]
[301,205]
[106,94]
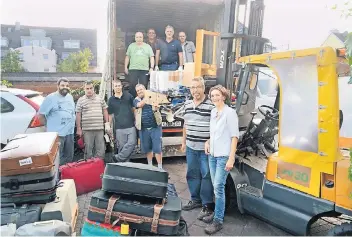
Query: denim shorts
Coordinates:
[151,140]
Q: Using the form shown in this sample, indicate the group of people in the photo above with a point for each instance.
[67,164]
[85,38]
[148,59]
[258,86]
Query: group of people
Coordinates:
[94,117]
[210,132]
[168,55]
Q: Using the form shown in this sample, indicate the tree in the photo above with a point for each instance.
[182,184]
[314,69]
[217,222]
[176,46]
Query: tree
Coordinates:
[76,62]
[11,62]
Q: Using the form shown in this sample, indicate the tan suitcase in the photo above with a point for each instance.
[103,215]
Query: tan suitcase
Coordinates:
[64,207]
[68,187]
[29,153]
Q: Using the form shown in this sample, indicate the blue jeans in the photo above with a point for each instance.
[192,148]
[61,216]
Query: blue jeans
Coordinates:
[169,67]
[151,140]
[218,177]
[198,176]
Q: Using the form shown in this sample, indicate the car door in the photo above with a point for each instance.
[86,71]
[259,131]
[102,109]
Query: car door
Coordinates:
[16,115]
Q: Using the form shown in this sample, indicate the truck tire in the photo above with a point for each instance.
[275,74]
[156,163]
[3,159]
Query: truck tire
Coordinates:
[344,229]
[230,195]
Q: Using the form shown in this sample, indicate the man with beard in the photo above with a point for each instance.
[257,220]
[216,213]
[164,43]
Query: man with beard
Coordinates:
[58,113]
[148,122]
[91,112]
[169,53]
[195,133]
[120,108]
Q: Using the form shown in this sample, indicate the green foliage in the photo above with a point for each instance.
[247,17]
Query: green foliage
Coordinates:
[6,83]
[345,9]
[11,62]
[77,93]
[76,62]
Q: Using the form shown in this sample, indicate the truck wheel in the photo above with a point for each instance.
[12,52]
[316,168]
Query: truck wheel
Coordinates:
[230,194]
[344,229]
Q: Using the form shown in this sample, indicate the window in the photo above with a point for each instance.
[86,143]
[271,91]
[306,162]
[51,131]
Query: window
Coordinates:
[46,69]
[6,106]
[20,55]
[35,43]
[44,43]
[27,42]
[4,42]
[71,44]
[45,56]
[64,55]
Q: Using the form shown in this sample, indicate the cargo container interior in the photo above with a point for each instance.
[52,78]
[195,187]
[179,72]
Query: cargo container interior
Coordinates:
[183,15]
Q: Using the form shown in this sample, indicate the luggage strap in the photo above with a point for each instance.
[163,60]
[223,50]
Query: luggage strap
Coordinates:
[14,184]
[132,218]
[155,222]
[112,200]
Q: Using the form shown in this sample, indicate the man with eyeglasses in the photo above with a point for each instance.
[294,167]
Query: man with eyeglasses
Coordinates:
[195,134]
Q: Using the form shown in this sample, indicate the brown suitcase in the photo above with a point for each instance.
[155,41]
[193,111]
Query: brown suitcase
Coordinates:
[29,153]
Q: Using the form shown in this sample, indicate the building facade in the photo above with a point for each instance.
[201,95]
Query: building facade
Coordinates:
[62,41]
[38,59]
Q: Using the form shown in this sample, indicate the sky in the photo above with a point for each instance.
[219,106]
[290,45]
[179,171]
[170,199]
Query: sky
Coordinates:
[289,24]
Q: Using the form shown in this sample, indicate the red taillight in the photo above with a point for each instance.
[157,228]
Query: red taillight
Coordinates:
[35,120]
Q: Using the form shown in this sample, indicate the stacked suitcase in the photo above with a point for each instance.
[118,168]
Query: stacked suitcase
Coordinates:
[137,195]
[32,198]
[29,169]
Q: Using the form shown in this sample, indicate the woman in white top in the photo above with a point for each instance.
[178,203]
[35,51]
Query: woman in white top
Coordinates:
[221,148]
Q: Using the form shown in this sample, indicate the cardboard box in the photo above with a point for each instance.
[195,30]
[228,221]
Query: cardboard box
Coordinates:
[155,98]
[163,81]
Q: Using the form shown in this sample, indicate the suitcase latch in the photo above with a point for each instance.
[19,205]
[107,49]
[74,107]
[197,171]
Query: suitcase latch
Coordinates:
[14,184]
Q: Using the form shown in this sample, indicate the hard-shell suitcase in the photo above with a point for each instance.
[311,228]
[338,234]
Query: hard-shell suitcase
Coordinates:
[85,173]
[45,228]
[135,179]
[19,215]
[138,213]
[30,197]
[29,153]
[31,181]
[93,228]
[64,206]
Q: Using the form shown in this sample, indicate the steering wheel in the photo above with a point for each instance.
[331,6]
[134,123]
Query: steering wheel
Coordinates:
[269,112]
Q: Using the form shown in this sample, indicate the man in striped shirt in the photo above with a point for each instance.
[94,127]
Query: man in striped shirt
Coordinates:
[195,134]
[91,112]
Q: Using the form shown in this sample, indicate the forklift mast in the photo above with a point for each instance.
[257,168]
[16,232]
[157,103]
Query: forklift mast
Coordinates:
[235,44]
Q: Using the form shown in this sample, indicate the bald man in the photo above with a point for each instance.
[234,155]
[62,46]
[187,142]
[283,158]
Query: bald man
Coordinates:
[139,62]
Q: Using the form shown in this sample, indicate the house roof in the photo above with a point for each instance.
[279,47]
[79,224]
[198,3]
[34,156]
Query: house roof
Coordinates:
[341,36]
[87,37]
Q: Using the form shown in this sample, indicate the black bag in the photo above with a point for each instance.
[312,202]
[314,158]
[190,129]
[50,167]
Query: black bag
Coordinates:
[182,230]
[138,213]
[135,179]
[19,215]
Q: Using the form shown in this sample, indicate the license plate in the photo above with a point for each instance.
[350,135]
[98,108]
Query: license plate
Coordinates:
[172,124]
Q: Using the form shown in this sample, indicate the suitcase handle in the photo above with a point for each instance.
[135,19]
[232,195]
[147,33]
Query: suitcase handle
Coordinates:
[8,205]
[44,222]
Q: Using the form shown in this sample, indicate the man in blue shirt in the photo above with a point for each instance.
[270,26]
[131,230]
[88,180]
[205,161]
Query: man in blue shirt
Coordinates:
[169,52]
[148,122]
[58,113]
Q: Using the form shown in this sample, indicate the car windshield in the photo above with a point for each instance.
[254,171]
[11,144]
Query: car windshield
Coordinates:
[38,99]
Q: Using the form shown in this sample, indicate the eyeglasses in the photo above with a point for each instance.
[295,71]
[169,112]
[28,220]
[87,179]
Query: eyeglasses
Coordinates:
[196,87]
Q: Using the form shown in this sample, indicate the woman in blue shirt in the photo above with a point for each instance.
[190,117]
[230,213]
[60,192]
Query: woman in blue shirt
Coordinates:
[221,148]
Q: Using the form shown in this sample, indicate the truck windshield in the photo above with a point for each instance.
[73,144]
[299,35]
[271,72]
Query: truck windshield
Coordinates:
[267,83]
